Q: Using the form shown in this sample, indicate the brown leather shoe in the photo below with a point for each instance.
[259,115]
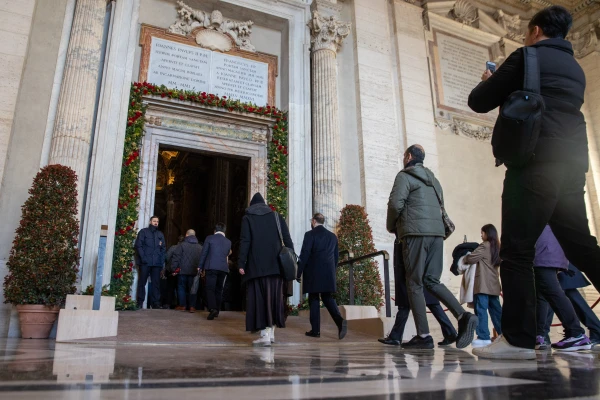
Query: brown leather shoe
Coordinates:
[192,310]
[180,308]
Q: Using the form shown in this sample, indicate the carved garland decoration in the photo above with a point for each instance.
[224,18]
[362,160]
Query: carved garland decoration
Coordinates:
[463,128]
[128,212]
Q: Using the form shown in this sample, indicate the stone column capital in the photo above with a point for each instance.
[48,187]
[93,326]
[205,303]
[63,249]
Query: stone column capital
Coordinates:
[327,32]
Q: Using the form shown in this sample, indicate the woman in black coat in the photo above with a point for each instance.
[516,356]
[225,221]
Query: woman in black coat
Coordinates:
[259,265]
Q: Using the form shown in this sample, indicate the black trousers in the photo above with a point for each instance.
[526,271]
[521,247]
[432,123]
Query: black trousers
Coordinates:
[214,288]
[437,311]
[585,314]
[550,294]
[540,194]
[315,310]
[154,287]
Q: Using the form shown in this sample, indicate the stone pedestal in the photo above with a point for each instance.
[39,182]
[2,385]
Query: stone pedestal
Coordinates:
[327,34]
[73,125]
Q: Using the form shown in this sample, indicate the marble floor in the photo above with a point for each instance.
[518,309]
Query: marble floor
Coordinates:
[35,369]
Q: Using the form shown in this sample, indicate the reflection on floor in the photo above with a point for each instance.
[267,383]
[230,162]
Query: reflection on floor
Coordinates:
[34,369]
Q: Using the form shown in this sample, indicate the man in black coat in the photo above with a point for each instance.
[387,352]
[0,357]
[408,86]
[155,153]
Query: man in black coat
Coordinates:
[318,261]
[549,189]
[185,264]
[150,247]
[213,260]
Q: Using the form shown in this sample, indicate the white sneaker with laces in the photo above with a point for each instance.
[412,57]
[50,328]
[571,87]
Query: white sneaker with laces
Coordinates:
[272,336]
[502,350]
[265,338]
[480,343]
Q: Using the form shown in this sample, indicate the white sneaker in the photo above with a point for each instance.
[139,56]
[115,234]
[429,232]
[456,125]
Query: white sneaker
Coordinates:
[480,343]
[502,350]
[272,335]
[265,338]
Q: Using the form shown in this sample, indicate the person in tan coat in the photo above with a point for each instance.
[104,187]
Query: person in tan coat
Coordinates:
[486,290]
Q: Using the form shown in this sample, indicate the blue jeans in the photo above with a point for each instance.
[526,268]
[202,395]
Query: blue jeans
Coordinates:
[184,284]
[483,303]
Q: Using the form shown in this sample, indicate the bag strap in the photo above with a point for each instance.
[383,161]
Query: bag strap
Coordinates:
[439,198]
[531,75]
[279,228]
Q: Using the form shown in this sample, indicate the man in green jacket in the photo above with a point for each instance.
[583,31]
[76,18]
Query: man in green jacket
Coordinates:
[414,215]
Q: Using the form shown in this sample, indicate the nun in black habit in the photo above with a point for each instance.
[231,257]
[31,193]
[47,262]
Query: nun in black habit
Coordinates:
[259,266]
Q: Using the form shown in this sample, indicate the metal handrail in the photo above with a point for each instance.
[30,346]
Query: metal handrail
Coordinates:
[386,276]
[347,253]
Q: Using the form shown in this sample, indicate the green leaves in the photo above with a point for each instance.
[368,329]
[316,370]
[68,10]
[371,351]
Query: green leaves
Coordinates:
[44,259]
[355,235]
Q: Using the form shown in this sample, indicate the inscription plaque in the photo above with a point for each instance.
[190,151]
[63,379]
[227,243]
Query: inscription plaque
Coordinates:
[461,65]
[177,65]
[457,67]
[181,66]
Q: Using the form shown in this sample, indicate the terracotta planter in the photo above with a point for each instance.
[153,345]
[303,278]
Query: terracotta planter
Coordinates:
[37,320]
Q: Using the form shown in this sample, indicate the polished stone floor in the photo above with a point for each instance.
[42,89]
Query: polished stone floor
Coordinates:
[43,369]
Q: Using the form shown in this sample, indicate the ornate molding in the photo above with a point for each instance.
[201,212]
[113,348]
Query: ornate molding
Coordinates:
[464,12]
[190,19]
[467,129]
[327,32]
[585,40]
[512,24]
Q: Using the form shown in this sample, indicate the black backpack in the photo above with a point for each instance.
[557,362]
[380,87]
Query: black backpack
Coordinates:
[520,120]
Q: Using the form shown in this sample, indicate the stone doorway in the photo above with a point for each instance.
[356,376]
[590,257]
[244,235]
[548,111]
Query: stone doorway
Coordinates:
[199,166]
[195,190]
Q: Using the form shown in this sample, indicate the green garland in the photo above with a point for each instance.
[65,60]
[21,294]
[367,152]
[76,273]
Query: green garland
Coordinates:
[128,212]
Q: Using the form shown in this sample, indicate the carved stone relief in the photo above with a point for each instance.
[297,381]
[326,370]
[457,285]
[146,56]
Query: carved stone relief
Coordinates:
[463,128]
[585,40]
[463,12]
[512,24]
[327,32]
[190,19]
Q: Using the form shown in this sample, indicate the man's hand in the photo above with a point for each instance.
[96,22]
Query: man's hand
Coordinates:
[242,272]
[486,75]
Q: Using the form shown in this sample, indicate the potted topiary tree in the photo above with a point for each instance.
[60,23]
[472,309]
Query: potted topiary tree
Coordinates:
[355,235]
[44,260]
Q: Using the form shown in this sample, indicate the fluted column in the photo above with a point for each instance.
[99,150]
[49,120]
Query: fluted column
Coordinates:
[327,34]
[72,134]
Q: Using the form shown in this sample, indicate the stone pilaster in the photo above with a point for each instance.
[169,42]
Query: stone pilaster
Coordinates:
[72,134]
[327,34]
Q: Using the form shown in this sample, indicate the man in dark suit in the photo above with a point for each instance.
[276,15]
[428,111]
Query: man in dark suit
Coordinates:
[213,261]
[150,248]
[318,261]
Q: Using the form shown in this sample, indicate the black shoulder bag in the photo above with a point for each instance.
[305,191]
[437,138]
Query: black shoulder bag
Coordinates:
[288,261]
[520,120]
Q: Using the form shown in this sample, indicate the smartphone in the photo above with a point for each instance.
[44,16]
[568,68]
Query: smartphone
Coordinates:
[491,66]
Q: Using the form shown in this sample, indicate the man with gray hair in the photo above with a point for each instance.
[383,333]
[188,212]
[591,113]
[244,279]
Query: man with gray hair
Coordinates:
[414,216]
[186,260]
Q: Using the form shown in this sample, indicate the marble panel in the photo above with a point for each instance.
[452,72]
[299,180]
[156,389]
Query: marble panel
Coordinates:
[23,7]
[16,23]
[13,43]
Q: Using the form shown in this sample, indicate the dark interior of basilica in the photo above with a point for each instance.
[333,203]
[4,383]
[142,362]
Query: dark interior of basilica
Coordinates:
[196,190]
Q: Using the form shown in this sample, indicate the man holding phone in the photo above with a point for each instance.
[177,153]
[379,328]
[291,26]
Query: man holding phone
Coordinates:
[549,188]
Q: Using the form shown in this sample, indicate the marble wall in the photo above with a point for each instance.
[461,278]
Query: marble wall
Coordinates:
[29,125]
[16,17]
